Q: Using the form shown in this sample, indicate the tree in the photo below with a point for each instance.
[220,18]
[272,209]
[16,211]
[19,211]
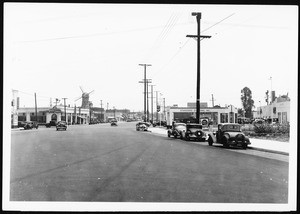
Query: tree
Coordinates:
[247,102]
[240,112]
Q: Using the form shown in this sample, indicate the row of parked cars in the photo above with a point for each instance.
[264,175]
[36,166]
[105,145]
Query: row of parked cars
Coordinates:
[227,134]
[28,125]
[61,125]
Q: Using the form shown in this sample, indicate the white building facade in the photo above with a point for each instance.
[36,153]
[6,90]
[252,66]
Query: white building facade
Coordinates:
[216,115]
[279,110]
[74,115]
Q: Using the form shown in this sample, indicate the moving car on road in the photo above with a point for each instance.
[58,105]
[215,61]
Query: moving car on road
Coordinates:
[51,123]
[177,130]
[31,125]
[194,131]
[21,124]
[142,126]
[113,123]
[61,125]
[229,134]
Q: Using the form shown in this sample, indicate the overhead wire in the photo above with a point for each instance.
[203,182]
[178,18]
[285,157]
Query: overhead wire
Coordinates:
[164,33]
[187,40]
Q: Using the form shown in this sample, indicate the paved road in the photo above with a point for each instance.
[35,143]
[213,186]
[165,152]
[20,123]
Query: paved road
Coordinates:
[119,164]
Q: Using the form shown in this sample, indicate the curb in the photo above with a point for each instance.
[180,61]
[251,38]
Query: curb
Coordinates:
[249,147]
[268,150]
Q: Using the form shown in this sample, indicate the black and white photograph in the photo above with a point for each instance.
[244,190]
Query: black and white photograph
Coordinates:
[149,107]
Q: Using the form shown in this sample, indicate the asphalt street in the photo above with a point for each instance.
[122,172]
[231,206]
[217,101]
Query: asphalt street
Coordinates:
[119,164]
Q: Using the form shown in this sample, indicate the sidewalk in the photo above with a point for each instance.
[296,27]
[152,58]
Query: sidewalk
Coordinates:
[257,144]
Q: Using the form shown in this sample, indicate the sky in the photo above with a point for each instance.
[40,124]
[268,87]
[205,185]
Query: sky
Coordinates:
[54,49]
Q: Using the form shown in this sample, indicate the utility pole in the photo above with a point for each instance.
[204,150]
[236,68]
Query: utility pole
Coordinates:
[212,99]
[156,106]
[65,108]
[146,112]
[198,36]
[101,110]
[164,109]
[107,106]
[35,107]
[152,102]
[145,85]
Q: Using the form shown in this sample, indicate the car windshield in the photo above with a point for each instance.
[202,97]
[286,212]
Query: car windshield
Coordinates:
[180,127]
[180,124]
[194,126]
[233,128]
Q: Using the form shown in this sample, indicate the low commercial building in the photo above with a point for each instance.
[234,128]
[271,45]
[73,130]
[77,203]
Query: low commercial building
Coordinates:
[279,110]
[216,114]
[74,115]
[118,114]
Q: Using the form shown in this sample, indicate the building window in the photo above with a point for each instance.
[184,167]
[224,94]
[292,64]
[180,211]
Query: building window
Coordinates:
[279,117]
[224,118]
[231,114]
[284,117]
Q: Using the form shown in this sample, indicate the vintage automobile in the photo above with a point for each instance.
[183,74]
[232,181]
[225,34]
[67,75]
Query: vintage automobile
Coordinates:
[51,123]
[194,131]
[113,123]
[61,125]
[31,125]
[229,134]
[177,130]
[21,124]
[142,126]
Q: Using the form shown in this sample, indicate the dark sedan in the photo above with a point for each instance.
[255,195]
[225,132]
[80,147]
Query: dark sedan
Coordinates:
[61,125]
[31,125]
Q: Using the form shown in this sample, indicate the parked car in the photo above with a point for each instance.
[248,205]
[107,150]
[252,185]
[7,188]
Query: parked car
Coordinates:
[31,125]
[258,121]
[194,131]
[61,125]
[21,124]
[113,123]
[51,123]
[142,126]
[229,134]
[176,130]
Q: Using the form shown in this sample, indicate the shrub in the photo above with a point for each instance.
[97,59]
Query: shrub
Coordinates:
[272,129]
[283,128]
[264,128]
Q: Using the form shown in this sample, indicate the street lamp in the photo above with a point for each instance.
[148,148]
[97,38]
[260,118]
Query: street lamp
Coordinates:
[271,101]
[259,109]
[199,38]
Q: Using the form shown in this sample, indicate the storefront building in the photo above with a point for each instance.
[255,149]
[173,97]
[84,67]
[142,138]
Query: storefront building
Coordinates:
[73,115]
[279,110]
[216,115]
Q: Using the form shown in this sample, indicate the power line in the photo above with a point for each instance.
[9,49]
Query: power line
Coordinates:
[217,23]
[187,40]
[94,34]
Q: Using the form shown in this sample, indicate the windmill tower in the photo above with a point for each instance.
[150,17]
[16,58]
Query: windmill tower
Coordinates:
[85,98]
